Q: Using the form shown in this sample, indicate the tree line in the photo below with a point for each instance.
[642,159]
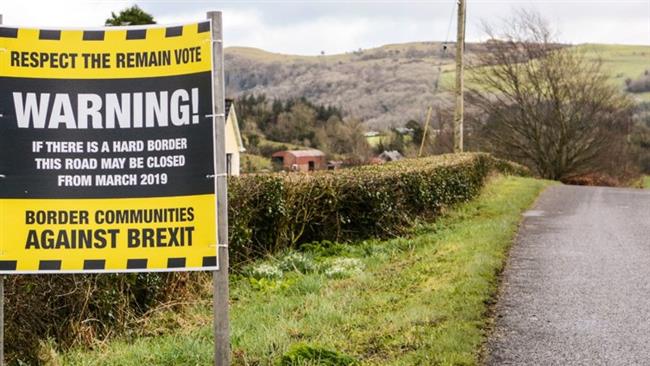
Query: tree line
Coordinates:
[299,122]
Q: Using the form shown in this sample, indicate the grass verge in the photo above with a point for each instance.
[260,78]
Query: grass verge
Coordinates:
[251,163]
[645,182]
[422,299]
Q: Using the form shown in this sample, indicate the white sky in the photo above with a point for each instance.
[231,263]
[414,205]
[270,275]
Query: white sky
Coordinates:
[308,27]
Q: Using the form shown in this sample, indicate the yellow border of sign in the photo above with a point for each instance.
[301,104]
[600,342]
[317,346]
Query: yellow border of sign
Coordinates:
[153,38]
[151,41]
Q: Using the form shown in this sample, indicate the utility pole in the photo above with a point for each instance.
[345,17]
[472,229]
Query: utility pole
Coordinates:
[426,128]
[460,70]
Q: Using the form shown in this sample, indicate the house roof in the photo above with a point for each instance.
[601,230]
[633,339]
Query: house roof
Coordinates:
[391,155]
[230,107]
[301,153]
[229,103]
[404,130]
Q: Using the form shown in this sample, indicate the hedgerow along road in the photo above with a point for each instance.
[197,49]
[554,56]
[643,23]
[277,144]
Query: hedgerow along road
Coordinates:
[576,289]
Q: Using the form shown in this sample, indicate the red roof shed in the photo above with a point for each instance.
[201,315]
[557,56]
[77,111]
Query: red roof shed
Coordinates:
[300,160]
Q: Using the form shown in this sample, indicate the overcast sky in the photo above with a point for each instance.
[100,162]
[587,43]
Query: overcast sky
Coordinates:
[308,27]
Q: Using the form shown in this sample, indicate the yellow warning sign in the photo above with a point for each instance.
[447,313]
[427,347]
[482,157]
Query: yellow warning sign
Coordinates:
[106,150]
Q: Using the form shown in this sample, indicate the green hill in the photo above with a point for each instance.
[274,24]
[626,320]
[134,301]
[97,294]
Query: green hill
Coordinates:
[622,62]
[388,85]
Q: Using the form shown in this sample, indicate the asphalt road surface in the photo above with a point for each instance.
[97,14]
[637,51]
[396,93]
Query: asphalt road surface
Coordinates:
[576,289]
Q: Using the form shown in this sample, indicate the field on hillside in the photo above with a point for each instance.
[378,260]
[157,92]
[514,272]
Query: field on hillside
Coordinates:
[622,62]
[386,86]
[376,140]
[619,61]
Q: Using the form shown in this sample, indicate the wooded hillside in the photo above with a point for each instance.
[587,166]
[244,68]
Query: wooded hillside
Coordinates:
[386,86]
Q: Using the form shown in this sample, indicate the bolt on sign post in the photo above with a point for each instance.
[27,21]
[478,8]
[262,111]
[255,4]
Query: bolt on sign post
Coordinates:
[111,146]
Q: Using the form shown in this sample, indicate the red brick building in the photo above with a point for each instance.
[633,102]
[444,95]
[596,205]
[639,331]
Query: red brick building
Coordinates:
[300,160]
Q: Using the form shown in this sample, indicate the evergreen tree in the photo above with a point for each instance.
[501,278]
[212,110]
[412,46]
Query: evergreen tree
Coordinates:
[130,16]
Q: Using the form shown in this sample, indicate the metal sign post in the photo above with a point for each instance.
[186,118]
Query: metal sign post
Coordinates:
[220,277]
[2,306]
[2,317]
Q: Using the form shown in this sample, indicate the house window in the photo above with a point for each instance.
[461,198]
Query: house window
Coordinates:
[229,164]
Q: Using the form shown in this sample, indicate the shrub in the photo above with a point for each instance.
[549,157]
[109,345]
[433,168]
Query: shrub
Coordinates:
[284,211]
[265,270]
[303,354]
[84,309]
[509,168]
[343,267]
[593,179]
[639,85]
[297,262]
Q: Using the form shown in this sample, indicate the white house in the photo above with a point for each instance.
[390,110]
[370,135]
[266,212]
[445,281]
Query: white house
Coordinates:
[234,143]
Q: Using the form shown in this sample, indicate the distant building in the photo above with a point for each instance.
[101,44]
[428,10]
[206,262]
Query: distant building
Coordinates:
[334,164]
[234,143]
[372,134]
[300,160]
[393,155]
[404,130]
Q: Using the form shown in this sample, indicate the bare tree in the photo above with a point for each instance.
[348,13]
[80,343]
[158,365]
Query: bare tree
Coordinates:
[345,138]
[544,104]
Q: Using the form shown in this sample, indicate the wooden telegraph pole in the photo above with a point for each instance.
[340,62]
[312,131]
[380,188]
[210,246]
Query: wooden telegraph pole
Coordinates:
[460,70]
[220,277]
[426,129]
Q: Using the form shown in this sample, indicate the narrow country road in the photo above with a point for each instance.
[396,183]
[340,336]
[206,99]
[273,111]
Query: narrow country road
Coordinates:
[576,289]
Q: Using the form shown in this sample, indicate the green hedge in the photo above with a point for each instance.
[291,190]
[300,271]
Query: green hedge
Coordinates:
[267,213]
[273,212]
[84,309]
[508,167]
